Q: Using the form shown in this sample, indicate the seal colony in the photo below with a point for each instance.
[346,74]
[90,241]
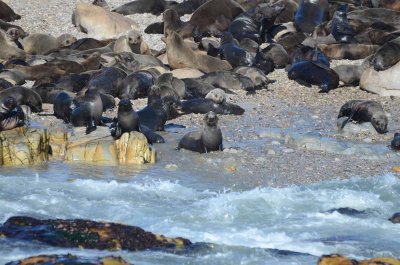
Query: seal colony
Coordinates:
[226,47]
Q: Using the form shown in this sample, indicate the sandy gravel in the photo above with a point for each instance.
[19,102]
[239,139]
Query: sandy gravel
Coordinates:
[285,104]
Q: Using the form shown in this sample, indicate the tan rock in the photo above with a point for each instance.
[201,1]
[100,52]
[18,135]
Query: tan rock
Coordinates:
[335,259]
[24,146]
[100,147]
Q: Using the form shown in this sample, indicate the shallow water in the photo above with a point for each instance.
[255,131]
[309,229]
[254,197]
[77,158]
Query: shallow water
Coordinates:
[245,225]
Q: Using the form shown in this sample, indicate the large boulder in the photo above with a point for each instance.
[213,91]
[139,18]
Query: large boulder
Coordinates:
[336,259]
[384,83]
[69,259]
[100,23]
[87,234]
[100,147]
[24,146]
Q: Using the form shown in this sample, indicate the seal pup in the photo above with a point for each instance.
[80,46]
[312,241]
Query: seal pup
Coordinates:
[11,115]
[13,36]
[180,55]
[41,43]
[88,111]
[395,143]
[235,55]
[365,111]
[340,27]
[155,7]
[228,81]
[204,141]
[7,14]
[128,121]
[387,55]
[170,86]
[132,42]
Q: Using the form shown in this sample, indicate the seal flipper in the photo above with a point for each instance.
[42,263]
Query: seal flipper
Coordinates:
[90,126]
[151,136]
[349,118]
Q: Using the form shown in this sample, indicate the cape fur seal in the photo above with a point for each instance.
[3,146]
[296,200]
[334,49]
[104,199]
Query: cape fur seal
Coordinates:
[180,55]
[7,14]
[99,22]
[387,55]
[128,121]
[155,7]
[23,96]
[63,106]
[204,141]
[350,51]
[204,105]
[11,115]
[132,42]
[40,43]
[310,14]
[235,55]
[213,17]
[88,111]
[365,111]
[8,48]
[341,29]
[395,143]
[395,218]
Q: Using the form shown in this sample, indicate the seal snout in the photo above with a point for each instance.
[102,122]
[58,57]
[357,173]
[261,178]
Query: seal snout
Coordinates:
[211,118]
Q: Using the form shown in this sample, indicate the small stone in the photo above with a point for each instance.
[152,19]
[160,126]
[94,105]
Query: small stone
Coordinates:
[288,150]
[275,143]
[271,152]
[396,169]
[171,167]
[367,140]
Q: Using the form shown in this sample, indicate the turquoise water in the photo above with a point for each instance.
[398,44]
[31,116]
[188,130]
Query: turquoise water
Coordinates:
[245,225]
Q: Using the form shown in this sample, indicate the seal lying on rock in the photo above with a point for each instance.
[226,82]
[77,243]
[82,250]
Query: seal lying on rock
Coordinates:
[128,121]
[235,55]
[23,96]
[365,111]
[206,140]
[40,43]
[11,115]
[132,42]
[341,29]
[387,55]
[155,7]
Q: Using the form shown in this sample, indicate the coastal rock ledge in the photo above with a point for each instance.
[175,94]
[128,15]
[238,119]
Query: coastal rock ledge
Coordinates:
[69,260]
[37,144]
[336,259]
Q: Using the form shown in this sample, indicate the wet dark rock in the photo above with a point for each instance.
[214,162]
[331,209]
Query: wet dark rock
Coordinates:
[346,211]
[395,218]
[86,234]
[69,260]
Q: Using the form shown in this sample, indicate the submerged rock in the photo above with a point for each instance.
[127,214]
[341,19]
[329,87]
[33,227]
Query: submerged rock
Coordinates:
[395,218]
[24,146]
[86,234]
[336,259]
[69,260]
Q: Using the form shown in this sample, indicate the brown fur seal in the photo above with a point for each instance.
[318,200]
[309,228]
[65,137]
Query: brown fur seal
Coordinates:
[8,49]
[23,96]
[99,22]
[364,18]
[180,55]
[88,43]
[7,14]
[349,74]
[11,115]
[310,14]
[132,42]
[41,72]
[212,17]
[365,111]
[155,7]
[40,43]
[387,55]
[395,145]
[349,51]
[88,111]
[206,140]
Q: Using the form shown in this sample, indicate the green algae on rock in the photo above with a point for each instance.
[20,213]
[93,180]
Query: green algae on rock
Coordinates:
[86,234]
[69,260]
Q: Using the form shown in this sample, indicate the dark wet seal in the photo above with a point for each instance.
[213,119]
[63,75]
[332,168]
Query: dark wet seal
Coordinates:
[395,143]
